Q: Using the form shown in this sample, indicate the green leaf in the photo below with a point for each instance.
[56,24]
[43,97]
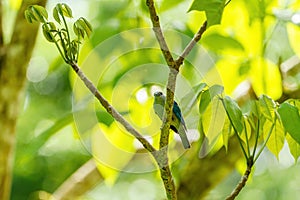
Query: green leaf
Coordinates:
[56,15]
[28,16]
[169,4]
[226,133]
[37,13]
[208,95]
[82,27]
[267,107]
[47,31]
[213,10]
[190,99]
[290,118]
[234,113]
[64,10]
[294,147]
[212,122]
[276,139]
[217,42]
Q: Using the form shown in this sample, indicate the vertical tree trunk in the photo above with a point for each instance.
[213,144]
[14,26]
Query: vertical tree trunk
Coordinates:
[14,58]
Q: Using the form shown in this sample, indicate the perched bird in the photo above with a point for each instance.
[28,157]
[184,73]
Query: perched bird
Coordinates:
[177,124]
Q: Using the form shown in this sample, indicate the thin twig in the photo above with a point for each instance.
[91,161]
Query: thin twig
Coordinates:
[111,110]
[241,184]
[159,34]
[192,43]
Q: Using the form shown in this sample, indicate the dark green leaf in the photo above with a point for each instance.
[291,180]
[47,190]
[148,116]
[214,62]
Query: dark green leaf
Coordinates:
[234,113]
[208,95]
[290,118]
[213,10]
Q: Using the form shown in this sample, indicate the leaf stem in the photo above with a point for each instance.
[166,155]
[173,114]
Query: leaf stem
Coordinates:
[247,142]
[266,140]
[256,138]
[235,131]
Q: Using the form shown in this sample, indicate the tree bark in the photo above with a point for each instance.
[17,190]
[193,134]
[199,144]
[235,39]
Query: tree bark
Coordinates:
[14,58]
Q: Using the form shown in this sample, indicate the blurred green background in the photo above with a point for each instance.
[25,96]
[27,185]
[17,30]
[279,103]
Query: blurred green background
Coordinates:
[242,53]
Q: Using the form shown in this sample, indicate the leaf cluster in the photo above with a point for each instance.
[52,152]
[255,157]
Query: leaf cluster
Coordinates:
[265,124]
[60,35]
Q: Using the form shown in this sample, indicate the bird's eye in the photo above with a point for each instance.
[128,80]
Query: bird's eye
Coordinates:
[157,94]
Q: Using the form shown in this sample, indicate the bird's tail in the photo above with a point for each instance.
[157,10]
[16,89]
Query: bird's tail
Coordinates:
[183,137]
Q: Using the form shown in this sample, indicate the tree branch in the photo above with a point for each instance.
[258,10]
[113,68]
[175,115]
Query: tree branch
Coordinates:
[14,60]
[192,43]
[162,160]
[111,110]
[241,184]
[174,68]
[1,25]
[159,34]
[79,182]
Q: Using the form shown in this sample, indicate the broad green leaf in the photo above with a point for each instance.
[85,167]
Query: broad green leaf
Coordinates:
[276,139]
[213,120]
[290,118]
[294,147]
[218,43]
[213,10]
[207,96]
[190,99]
[234,113]
[267,107]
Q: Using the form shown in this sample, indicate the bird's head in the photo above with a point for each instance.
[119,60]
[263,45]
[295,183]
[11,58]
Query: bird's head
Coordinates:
[158,94]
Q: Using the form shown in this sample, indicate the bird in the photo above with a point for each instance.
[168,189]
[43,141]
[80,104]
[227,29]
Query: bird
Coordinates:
[177,123]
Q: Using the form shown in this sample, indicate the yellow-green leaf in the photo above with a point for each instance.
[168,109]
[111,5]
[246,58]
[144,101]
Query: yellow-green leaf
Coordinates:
[213,120]
[267,107]
[276,139]
[294,147]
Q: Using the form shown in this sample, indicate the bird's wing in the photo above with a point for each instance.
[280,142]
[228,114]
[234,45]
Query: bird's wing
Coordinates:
[178,114]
